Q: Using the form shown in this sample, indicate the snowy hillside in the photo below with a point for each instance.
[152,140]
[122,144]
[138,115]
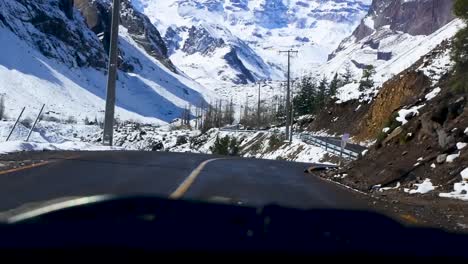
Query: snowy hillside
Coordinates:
[390,45]
[50,56]
[238,41]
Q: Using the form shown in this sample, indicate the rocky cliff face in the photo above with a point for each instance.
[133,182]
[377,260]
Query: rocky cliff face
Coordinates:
[395,93]
[199,40]
[56,32]
[97,16]
[418,17]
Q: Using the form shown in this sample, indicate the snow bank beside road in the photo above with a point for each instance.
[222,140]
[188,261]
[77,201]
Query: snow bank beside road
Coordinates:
[262,145]
[18,146]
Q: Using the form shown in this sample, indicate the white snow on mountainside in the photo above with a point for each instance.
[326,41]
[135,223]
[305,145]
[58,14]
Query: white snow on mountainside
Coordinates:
[389,52]
[237,41]
[38,67]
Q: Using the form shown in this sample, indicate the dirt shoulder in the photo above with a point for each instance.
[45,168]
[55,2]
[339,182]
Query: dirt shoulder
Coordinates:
[427,210]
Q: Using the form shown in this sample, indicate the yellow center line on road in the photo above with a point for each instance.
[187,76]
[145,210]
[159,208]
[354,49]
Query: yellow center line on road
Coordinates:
[35,165]
[25,167]
[188,182]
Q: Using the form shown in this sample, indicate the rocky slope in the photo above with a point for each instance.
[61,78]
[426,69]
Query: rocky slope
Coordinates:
[393,36]
[418,124]
[97,17]
[54,53]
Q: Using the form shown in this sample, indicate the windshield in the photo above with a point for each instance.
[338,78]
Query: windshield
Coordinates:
[337,104]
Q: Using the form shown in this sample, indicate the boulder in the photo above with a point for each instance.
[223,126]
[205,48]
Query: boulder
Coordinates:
[397,131]
[157,146]
[444,139]
[441,158]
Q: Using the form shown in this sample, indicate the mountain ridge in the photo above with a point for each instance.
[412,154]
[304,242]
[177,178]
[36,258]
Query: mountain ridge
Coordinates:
[52,56]
[257,29]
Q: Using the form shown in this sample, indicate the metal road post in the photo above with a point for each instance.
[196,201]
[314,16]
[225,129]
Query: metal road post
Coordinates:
[35,122]
[16,123]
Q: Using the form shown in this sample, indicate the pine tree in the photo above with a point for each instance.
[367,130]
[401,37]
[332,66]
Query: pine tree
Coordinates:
[367,82]
[334,85]
[221,146]
[460,9]
[348,76]
[459,79]
[322,92]
[304,101]
[234,147]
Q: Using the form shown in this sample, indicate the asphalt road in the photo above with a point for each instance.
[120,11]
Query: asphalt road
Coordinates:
[232,180]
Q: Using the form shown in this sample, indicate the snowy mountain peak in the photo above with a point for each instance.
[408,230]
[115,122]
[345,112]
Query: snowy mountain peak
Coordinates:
[200,35]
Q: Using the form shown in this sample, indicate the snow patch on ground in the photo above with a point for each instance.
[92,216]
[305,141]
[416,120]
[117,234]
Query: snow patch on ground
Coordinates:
[461,145]
[433,93]
[452,158]
[390,188]
[404,113]
[422,188]
[460,189]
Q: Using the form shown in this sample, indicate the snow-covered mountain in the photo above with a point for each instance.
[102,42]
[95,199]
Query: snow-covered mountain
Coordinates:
[54,53]
[237,41]
[392,37]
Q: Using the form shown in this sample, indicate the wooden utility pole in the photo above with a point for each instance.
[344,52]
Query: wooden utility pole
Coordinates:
[112,76]
[288,93]
[292,113]
[246,110]
[259,103]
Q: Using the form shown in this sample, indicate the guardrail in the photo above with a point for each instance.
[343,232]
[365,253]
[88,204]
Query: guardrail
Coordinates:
[331,148]
[309,139]
[234,129]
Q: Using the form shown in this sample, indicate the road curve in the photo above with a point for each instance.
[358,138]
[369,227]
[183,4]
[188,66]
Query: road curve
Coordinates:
[234,180]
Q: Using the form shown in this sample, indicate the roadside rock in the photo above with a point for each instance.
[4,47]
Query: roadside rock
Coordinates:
[157,146]
[444,139]
[441,158]
[181,140]
[394,134]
